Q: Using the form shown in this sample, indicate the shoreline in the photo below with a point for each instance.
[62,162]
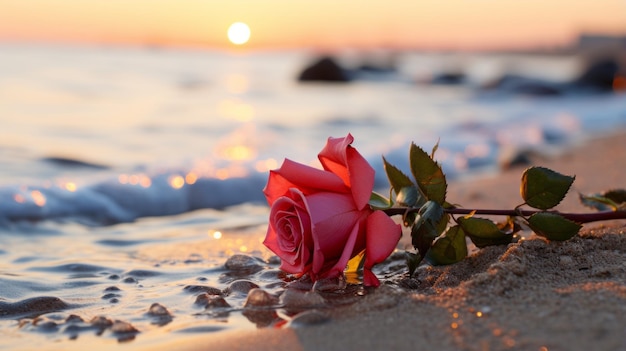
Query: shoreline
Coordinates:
[532,295]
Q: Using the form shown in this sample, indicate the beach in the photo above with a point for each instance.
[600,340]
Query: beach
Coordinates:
[531,295]
[132,214]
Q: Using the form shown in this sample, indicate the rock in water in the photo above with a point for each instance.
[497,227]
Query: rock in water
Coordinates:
[259,298]
[324,69]
[32,307]
[599,76]
[243,264]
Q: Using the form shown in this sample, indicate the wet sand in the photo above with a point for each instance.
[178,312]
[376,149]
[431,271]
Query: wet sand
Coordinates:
[532,295]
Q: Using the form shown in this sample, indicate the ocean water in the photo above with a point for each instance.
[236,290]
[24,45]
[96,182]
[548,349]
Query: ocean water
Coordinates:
[131,175]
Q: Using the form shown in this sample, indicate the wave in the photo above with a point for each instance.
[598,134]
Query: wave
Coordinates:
[111,202]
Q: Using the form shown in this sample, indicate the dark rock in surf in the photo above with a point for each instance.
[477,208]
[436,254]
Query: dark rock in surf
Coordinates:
[72,163]
[202,289]
[599,76]
[325,69]
[32,307]
[449,78]
[525,86]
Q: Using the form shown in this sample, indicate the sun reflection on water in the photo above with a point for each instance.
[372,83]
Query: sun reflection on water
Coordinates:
[176,181]
[236,109]
[19,198]
[38,198]
[215,234]
[70,186]
[237,83]
[191,178]
[135,179]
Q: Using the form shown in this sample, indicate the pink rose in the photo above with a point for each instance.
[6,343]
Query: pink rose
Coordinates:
[320,219]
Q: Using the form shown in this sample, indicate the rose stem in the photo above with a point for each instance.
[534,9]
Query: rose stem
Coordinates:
[576,217]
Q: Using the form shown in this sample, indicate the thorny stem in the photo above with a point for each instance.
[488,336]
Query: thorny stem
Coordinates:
[576,217]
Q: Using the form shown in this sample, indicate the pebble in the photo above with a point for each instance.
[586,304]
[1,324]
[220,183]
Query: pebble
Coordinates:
[161,316]
[211,301]
[32,306]
[121,327]
[101,322]
[293,298]
[245,263]
[156,309]
[241,287]
[259,298]
[202,288]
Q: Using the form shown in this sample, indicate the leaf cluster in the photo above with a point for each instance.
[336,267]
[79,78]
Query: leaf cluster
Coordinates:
[438,236]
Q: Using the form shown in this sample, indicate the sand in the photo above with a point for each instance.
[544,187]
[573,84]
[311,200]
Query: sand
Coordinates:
[532,295]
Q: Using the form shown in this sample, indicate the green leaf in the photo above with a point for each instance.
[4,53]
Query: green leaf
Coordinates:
[484,232]
[397,178]
[544,188]
[426,226]
[428,174]
[379,202]
[449,248]
[553,226]
[412,261]
[617,195]
[407,196]
[610,200]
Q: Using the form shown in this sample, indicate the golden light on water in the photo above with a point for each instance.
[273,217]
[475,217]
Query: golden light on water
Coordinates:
[176,181]
[38,198]
[135,179]
[236,109]
[19,198]
[238,152]
[145,182]
[237,83]
[238,33]
[222,173]
[71,187]
[191,178]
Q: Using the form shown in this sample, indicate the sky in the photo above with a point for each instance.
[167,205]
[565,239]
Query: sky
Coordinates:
[426,24]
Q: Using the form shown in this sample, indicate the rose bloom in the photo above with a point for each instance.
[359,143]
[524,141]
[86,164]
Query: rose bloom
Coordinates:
[320,218]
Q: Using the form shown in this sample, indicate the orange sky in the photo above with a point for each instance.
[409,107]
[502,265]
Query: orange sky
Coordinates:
[452,24]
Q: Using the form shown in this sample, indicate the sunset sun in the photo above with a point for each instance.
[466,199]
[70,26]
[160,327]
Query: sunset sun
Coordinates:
[238,33]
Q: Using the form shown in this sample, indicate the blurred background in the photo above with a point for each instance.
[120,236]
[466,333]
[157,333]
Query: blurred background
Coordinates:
[185,102]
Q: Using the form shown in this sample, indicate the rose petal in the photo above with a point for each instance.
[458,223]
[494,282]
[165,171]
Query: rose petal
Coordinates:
[333,157]
[341,262]
[333,217]
[361,178]
[324,205]
[369,278]
[382,238]
[295,175]
[289,232]
[349,165]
